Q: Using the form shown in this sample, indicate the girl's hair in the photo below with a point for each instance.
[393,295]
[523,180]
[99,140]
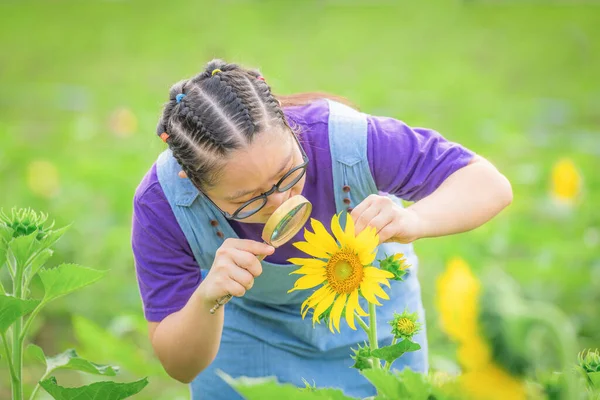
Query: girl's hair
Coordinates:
[218,111]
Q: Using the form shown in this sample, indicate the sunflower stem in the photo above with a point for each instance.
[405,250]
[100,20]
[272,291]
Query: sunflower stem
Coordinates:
[373,334]
[388,365]
[362,323]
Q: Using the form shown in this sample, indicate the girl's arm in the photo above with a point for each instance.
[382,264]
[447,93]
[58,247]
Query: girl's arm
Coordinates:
[468,198]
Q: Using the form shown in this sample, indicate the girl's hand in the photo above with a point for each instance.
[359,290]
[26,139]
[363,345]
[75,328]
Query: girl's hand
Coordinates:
[392,222]
[234,269]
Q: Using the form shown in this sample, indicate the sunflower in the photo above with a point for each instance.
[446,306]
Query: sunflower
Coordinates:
[459,293]
[343,265]
[566,181]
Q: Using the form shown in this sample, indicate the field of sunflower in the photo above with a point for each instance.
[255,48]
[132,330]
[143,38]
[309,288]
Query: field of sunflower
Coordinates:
[515,81]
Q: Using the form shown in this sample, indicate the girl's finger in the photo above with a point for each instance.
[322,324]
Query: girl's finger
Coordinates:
[365,217]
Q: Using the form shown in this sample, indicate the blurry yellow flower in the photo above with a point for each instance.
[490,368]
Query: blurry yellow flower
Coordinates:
[43,178]
[566,181]
[457,293]
[342,267]
[474,353]
[123,122]
[492,383]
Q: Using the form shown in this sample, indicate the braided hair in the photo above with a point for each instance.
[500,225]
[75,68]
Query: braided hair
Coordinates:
[214,113]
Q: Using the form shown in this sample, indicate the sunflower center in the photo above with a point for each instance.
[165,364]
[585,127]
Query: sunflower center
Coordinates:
[406,326]
[344,271]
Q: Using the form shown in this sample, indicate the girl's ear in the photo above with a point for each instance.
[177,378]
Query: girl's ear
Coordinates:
[182,174]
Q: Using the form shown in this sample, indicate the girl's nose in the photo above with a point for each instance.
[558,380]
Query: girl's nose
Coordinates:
[276,199]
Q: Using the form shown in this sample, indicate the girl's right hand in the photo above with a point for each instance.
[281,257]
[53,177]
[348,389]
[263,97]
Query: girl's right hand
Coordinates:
[234,269]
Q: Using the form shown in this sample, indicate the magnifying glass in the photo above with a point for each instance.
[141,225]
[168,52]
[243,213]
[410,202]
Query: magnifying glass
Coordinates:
[281,226]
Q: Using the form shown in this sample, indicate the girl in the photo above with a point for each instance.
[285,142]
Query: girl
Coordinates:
[235,153]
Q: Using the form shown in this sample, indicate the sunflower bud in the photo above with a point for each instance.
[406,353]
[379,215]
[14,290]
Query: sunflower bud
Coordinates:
[362,357]
[405,325]
[396,264]
[24,222]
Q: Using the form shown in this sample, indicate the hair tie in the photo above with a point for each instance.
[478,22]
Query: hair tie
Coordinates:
[179,97]
[164,136]
[260,77]
[215,71]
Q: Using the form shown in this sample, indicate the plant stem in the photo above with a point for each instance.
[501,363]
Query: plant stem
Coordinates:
[17,344]
[362,323]
[37,387]
[34,313]
[8,355]
[388,365]
[373,333]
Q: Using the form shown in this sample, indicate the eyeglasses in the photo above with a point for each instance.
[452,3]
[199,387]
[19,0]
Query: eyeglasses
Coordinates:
[255,204]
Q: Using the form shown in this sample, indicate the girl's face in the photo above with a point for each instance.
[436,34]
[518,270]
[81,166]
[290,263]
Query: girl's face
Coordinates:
[254,170]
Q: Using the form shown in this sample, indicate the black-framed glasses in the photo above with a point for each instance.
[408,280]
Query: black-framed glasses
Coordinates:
[255,204]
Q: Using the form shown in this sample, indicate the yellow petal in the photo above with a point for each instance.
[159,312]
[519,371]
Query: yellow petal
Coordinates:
[375,281]
[323,305]
[308,270]
[326,240]
[368,293]
[307,262]
[372,272]
[350,307]
[311,250]
[314,299]
[336,311]
[337,230]
[308,281]
[378,291]
[366,258]
[349,231]
[367,240]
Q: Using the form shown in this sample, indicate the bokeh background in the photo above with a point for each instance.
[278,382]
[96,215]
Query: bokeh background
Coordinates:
[82,84]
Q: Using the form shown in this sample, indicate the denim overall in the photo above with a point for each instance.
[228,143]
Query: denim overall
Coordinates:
[264,333]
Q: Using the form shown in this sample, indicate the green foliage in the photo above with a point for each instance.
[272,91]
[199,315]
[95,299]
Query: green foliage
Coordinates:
[362,357]
[95,391]
[270,389]
[25,242]
[395,351]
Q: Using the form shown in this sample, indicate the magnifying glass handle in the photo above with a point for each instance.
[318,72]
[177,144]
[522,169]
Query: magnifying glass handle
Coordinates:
[224,299]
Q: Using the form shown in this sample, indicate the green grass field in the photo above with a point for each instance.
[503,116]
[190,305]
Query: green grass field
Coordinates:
[517,82]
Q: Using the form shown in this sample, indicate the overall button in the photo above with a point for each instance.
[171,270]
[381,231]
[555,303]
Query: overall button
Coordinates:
[220,234]
[346,201]
[346,188]
[214,222]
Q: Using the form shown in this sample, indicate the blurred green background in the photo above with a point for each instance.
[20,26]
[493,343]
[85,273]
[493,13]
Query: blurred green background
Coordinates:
[82,84]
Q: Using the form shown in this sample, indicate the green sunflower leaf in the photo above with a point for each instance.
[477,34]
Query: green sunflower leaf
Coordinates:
[395,351]
[12,309]
[269,388]
[106,390]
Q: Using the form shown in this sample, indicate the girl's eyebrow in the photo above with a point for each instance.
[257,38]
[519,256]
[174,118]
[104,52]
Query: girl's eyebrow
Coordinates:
[242,193]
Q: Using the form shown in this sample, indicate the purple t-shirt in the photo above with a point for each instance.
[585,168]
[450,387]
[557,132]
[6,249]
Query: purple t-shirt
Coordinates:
[405,161]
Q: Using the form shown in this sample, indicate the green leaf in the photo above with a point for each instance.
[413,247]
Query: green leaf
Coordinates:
[6,233]
[12,308]
[269,388]
[53,236]
[391,353]
[22,248]
[105,390]
[387,384]
[38,261]
[35,353]
[67,278]
[595,378]
[69,359]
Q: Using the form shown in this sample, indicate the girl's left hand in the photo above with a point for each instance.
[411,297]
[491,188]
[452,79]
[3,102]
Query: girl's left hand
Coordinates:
[392,222]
